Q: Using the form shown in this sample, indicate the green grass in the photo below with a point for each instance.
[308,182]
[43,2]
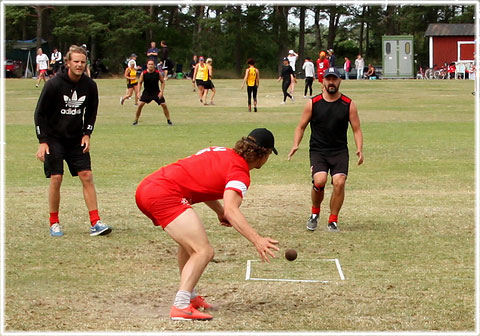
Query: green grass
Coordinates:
[408,223]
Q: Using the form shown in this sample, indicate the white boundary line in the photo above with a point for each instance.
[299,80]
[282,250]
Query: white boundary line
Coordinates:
[249,270]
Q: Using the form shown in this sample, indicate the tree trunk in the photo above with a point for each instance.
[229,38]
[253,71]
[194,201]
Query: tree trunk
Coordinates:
[197,29]
[172,19]
[281,28]
[150,30]
[238,43]
[318,30]
[301,35]
[362,24]
[39,11]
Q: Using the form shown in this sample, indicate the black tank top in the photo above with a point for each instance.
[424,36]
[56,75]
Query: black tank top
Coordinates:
[329,125]
[150,81]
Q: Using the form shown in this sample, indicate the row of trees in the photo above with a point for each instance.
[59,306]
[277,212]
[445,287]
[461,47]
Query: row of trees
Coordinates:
[229,33]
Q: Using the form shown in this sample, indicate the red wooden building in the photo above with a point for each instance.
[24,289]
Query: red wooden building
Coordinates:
[450,43]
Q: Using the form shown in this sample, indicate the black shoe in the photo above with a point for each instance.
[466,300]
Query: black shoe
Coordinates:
[169,122]
[254,109]
[135,122]
[332,226]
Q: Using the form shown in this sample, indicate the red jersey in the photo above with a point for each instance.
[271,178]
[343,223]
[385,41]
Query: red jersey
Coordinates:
[207,174]
[322,66]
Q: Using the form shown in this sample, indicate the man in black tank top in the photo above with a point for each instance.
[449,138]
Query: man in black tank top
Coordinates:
[329,115]
[152,91]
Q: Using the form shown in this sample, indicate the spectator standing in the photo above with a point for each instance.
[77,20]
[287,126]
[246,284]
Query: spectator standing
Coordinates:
[359,65]
[292,60]
[152,53]
[331,58]
[309,69]
[347,66]
[64,121]
[56,60]
[42,66]
[193,63]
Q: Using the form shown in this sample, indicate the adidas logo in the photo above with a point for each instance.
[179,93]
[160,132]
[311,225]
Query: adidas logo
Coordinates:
[74,101]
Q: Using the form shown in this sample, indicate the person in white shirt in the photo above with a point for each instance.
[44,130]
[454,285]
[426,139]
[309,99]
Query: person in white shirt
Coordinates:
[56,60]
[359,65]
[309,69]
[42,66]
[292,59]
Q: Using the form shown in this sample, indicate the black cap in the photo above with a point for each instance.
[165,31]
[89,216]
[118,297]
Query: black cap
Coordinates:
[286,59]
[133,55]
[263,138]
[331,72]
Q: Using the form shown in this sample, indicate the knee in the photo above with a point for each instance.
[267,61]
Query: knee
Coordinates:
[56,180]
[86,176]
[207,252]
[339,184]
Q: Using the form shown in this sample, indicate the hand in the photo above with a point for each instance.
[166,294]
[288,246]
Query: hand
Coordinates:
[85,143]
[224,221]
[292,151]
[42,150]
[160,95]
[360,157]
[264,245]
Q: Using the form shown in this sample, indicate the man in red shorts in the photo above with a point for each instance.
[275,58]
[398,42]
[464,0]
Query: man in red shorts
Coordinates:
[214,173]
[322,65]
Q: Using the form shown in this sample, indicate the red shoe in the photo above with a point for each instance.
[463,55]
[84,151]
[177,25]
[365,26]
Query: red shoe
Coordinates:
[188,313]
[199,302]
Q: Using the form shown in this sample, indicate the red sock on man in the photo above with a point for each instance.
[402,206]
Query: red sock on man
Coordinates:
[333,218]
[94,217]
[54,218]
[315,211]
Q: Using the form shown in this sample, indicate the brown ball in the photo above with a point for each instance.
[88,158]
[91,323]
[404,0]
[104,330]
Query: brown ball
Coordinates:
[291,254]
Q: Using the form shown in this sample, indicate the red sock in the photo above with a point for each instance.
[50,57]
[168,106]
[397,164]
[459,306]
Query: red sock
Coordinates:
[94,217]
[315,211]
[333,218]
[54,218]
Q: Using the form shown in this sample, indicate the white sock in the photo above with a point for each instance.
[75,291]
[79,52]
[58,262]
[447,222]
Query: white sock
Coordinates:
[182,299]
[194,294]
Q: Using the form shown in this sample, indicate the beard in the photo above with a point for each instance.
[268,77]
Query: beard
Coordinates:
[332,89]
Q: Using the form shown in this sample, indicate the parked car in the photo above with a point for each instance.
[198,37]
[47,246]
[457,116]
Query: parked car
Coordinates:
[13,69]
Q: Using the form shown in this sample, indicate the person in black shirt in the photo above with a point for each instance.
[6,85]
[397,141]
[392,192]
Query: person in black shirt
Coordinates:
[329,115]
[288,77]
[150,78]
[64,120]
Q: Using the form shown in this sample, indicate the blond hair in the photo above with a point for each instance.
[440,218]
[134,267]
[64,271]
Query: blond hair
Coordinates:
[74,49]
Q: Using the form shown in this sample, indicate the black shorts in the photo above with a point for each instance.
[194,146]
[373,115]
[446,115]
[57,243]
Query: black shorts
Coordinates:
[129,86]
[336,163]
[71,152]
[208,85]
[199,82]
[147,97]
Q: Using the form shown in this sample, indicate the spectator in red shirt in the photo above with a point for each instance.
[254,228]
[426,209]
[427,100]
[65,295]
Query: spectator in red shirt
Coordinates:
[451,71]
[166,195]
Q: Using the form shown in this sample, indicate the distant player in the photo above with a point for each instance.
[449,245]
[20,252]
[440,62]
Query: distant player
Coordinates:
[198,75]
[151,77]
[287,77]
[252,79]
[214,173]
[42,66]
[329,115]
[132,82]
[309,69]
[322,65]
[207,83]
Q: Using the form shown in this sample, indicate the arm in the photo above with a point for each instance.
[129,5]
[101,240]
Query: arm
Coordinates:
[90,116]
[232,201]
[126,74]
[195,73]
[41,121]
[217,207]
[140,82]
[162,86]
[357,131]
[245,78]
[300,129]
[257,81]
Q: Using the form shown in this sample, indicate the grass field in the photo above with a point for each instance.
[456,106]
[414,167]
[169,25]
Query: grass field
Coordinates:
[407,245]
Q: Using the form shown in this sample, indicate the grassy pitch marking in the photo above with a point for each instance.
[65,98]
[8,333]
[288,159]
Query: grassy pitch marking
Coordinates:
[248,273]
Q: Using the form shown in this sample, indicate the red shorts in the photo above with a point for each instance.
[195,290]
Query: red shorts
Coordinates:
[161,201]
[43,71]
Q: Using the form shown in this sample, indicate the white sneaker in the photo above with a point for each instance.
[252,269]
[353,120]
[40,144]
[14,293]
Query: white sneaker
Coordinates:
[282,103]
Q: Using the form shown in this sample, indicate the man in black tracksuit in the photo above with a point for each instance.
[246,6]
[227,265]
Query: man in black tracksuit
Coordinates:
[64,120]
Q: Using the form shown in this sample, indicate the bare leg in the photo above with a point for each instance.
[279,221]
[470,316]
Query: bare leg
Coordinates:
[89,192]
[165,111]
[139,111]
[54,192]
[338,194]
[213,95]
[320,179]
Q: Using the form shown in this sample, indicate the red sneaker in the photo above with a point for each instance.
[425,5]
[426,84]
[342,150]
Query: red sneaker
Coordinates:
[199,302]
[188,313]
